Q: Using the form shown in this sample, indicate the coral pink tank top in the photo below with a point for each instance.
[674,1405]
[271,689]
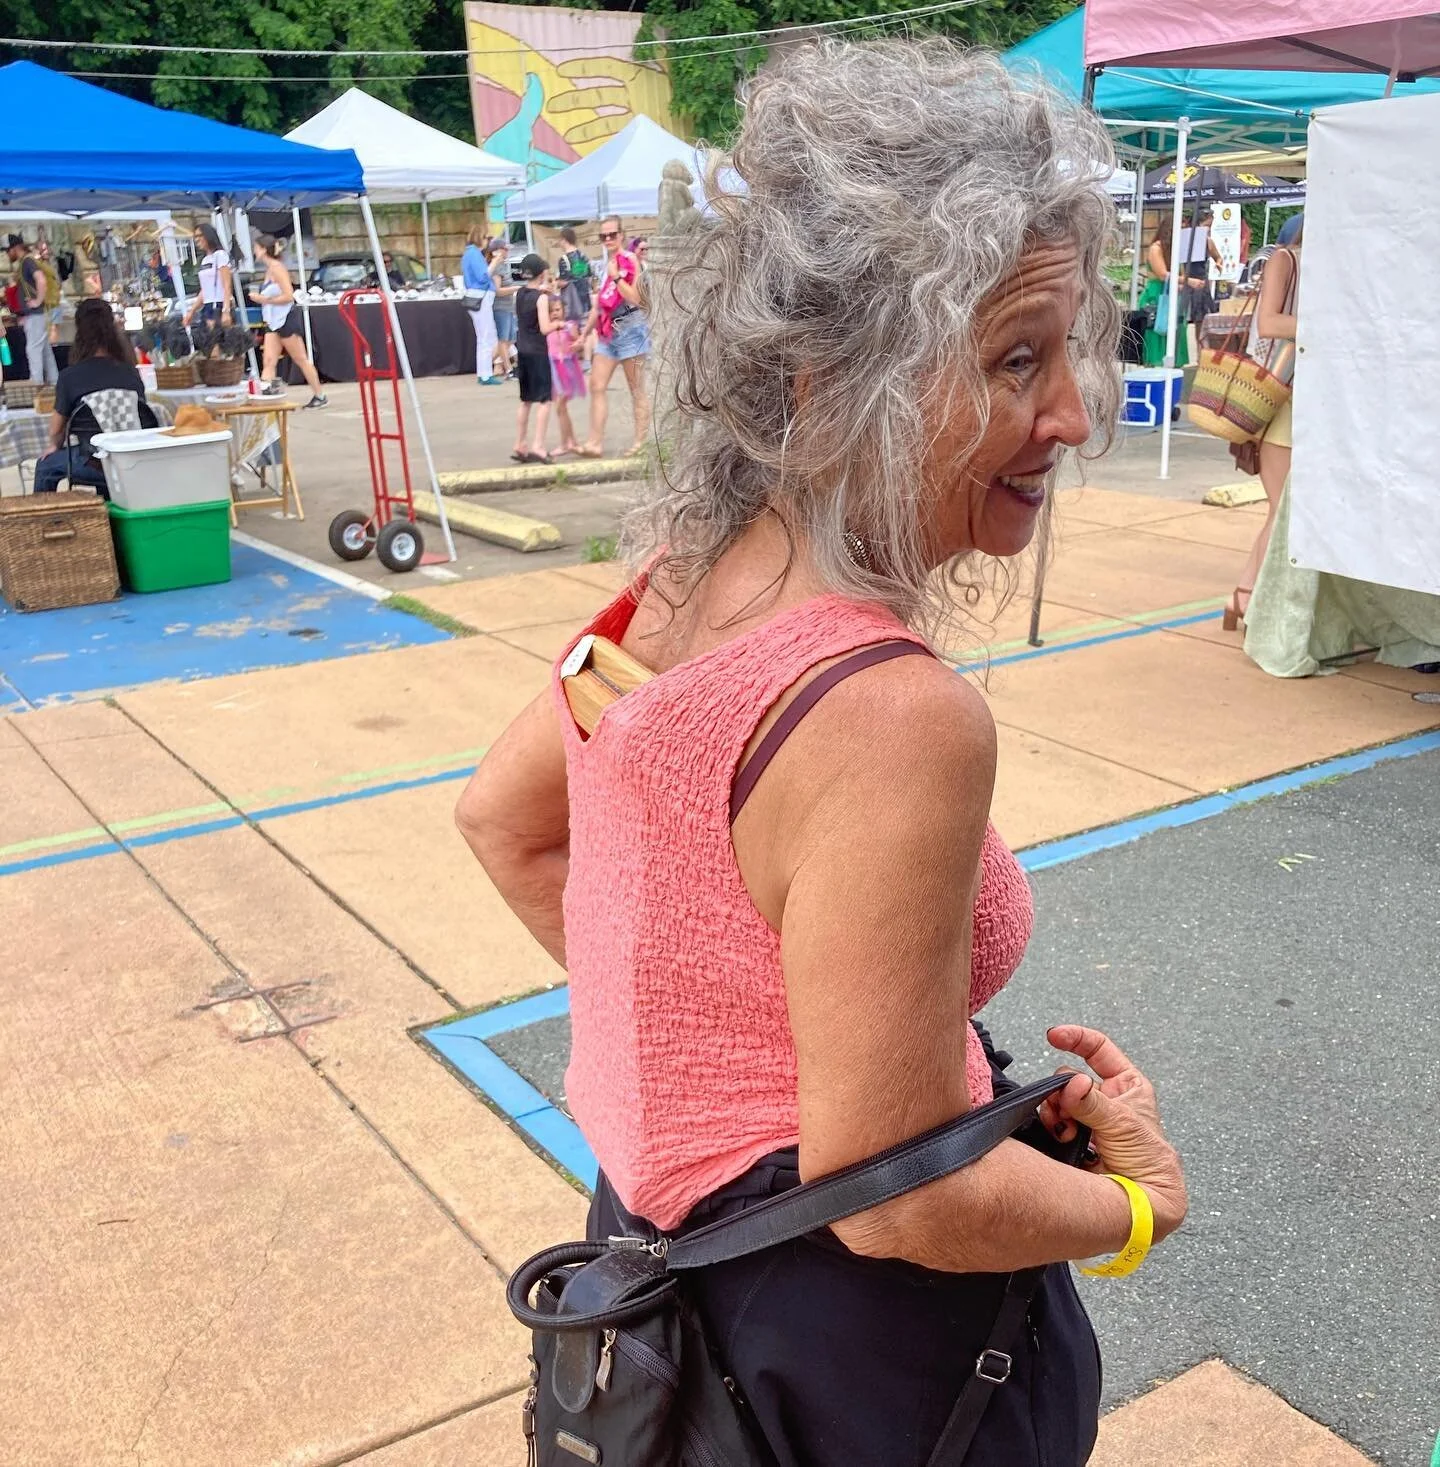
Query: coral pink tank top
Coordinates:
[682,1067]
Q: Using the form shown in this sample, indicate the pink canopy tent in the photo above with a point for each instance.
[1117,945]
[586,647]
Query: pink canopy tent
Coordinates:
[1399,38]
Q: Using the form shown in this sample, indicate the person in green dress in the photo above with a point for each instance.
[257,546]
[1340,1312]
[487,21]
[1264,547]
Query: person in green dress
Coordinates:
[1157,265]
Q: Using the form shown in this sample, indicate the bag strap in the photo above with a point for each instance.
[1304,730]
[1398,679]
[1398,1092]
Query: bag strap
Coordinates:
[804,701]
[992,1368]
[881,1178]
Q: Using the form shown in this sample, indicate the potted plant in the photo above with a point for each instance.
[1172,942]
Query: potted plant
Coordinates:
[220,353]
[173,353]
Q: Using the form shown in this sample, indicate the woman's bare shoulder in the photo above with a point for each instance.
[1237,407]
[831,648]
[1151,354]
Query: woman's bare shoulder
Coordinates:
[900,730]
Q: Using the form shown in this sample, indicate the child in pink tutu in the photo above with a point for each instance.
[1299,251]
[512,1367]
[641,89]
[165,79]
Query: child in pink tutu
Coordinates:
[566,379]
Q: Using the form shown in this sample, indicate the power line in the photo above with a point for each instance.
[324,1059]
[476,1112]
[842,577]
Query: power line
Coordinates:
[883,17]
[267,80]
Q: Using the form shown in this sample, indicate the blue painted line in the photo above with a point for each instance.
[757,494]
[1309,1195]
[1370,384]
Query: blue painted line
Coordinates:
[518,1099]
[229,822]
[60,858]
[554,1131]
[1096,641]
[1106,837]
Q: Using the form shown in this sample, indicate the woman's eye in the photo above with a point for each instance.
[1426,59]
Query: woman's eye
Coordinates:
[1019,361]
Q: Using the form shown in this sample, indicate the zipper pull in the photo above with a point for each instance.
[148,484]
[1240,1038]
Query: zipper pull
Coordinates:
[527,1414]
[607,1361]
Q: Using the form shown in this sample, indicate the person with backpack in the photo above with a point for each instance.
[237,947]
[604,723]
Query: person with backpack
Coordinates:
[37,283]
[572,273]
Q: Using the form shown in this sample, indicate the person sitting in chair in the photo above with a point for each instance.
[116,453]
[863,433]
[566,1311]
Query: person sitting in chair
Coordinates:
[93,395]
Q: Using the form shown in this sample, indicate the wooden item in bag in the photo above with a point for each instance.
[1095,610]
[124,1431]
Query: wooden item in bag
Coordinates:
[594,675]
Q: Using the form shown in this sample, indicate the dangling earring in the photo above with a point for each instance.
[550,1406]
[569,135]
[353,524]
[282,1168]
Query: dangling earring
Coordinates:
[858,553]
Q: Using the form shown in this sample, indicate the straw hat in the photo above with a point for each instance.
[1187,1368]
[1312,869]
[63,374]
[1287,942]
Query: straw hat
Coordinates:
[192,418]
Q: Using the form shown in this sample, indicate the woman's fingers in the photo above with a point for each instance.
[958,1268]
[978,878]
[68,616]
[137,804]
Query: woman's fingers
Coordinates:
[1098,1050]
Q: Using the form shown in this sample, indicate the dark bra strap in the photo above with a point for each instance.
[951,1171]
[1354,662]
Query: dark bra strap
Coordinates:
[804,701]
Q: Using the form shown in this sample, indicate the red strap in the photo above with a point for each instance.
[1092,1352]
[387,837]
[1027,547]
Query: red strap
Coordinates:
[805,700]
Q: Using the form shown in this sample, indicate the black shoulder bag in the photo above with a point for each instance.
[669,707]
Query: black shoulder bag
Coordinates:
[622,1374]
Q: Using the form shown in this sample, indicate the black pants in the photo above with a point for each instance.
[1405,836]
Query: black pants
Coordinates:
[856,1362]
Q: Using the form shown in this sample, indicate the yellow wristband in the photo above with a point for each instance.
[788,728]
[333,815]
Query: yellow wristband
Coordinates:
[1142,1233]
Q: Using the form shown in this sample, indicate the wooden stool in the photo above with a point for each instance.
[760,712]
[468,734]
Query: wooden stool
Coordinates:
[288,499]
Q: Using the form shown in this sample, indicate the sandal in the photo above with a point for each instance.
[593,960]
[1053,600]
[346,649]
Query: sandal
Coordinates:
[1234,616]
[585,451]
[534,458]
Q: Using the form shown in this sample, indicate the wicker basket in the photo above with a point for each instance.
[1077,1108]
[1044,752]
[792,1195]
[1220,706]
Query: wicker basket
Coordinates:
[20,394]
[56,550]
[221,371]
[172,379]
[44,399]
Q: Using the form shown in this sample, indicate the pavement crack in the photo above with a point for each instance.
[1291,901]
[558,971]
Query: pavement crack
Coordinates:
[247,1283]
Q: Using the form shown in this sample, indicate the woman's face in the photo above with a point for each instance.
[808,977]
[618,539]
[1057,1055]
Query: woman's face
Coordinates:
[989,497]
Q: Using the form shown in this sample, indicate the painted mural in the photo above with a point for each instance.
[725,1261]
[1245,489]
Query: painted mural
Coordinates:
[549,84]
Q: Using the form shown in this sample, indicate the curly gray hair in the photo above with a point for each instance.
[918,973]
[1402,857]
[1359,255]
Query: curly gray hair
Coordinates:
[891,186]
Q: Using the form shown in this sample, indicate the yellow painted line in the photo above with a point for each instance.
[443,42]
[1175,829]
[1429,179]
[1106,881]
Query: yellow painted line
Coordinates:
[245,802]
[1062,635]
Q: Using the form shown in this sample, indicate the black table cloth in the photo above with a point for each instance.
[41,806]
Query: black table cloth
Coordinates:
[439,336]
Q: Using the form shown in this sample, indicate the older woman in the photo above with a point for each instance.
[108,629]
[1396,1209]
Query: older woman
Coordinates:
[779,911]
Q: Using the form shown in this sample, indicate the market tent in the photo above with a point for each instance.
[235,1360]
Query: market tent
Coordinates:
[1210,185]
[403,159]
[101,151]
[622,176]
[1262,108]
[1392,37]
[98,151]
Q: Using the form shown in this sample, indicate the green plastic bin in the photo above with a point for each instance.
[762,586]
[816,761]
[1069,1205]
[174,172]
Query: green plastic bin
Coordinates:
[170,549]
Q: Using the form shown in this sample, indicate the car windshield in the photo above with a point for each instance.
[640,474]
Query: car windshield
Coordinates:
[343,274]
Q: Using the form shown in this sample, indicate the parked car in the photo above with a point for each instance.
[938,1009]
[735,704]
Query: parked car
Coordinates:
[344,272]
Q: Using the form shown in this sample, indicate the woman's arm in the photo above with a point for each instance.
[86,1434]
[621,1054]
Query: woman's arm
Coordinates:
[629,293]
[871,870]
[227,285]
[1155,260]
[57,430]
[515,817]
[544,319]
[1272,320]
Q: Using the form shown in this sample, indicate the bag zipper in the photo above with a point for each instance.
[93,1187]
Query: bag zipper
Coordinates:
[699,1448]
[643,1356]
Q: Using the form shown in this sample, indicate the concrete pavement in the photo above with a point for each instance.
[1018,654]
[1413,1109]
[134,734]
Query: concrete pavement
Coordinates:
[255,1221]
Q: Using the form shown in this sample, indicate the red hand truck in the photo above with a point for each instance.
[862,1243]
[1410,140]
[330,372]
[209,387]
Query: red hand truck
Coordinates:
[390,530]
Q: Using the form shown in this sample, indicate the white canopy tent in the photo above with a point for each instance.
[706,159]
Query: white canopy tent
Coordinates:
[402,159]
[621,176]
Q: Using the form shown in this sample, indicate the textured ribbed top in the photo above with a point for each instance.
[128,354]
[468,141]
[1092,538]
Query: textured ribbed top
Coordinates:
[682,1067]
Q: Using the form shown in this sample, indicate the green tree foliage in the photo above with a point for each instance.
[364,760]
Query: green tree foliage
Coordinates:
[275,92]
[704,77]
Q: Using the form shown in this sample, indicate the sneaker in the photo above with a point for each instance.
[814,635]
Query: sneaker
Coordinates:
[273,388]
[319,400]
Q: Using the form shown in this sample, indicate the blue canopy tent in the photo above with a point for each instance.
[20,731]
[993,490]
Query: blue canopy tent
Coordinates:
[99,151]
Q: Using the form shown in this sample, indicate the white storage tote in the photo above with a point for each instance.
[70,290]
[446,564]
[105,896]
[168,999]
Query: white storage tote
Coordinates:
[147,468]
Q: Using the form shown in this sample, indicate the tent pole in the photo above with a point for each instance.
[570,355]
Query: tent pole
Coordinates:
[404,355]
[1139,229]
[1268,207]
[425,227]
[1182,140]
[228,238]
[300,265]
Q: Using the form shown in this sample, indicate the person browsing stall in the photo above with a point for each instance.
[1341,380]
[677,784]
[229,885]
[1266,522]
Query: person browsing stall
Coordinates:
[101,360]
[284,328]
[505,325]
[480,303]
[34,310]
[216,280]
[778,910]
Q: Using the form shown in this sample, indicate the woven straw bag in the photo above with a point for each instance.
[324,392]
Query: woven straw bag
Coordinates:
[1233,396]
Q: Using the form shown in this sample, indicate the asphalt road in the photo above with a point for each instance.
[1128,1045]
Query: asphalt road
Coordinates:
[1275,971]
